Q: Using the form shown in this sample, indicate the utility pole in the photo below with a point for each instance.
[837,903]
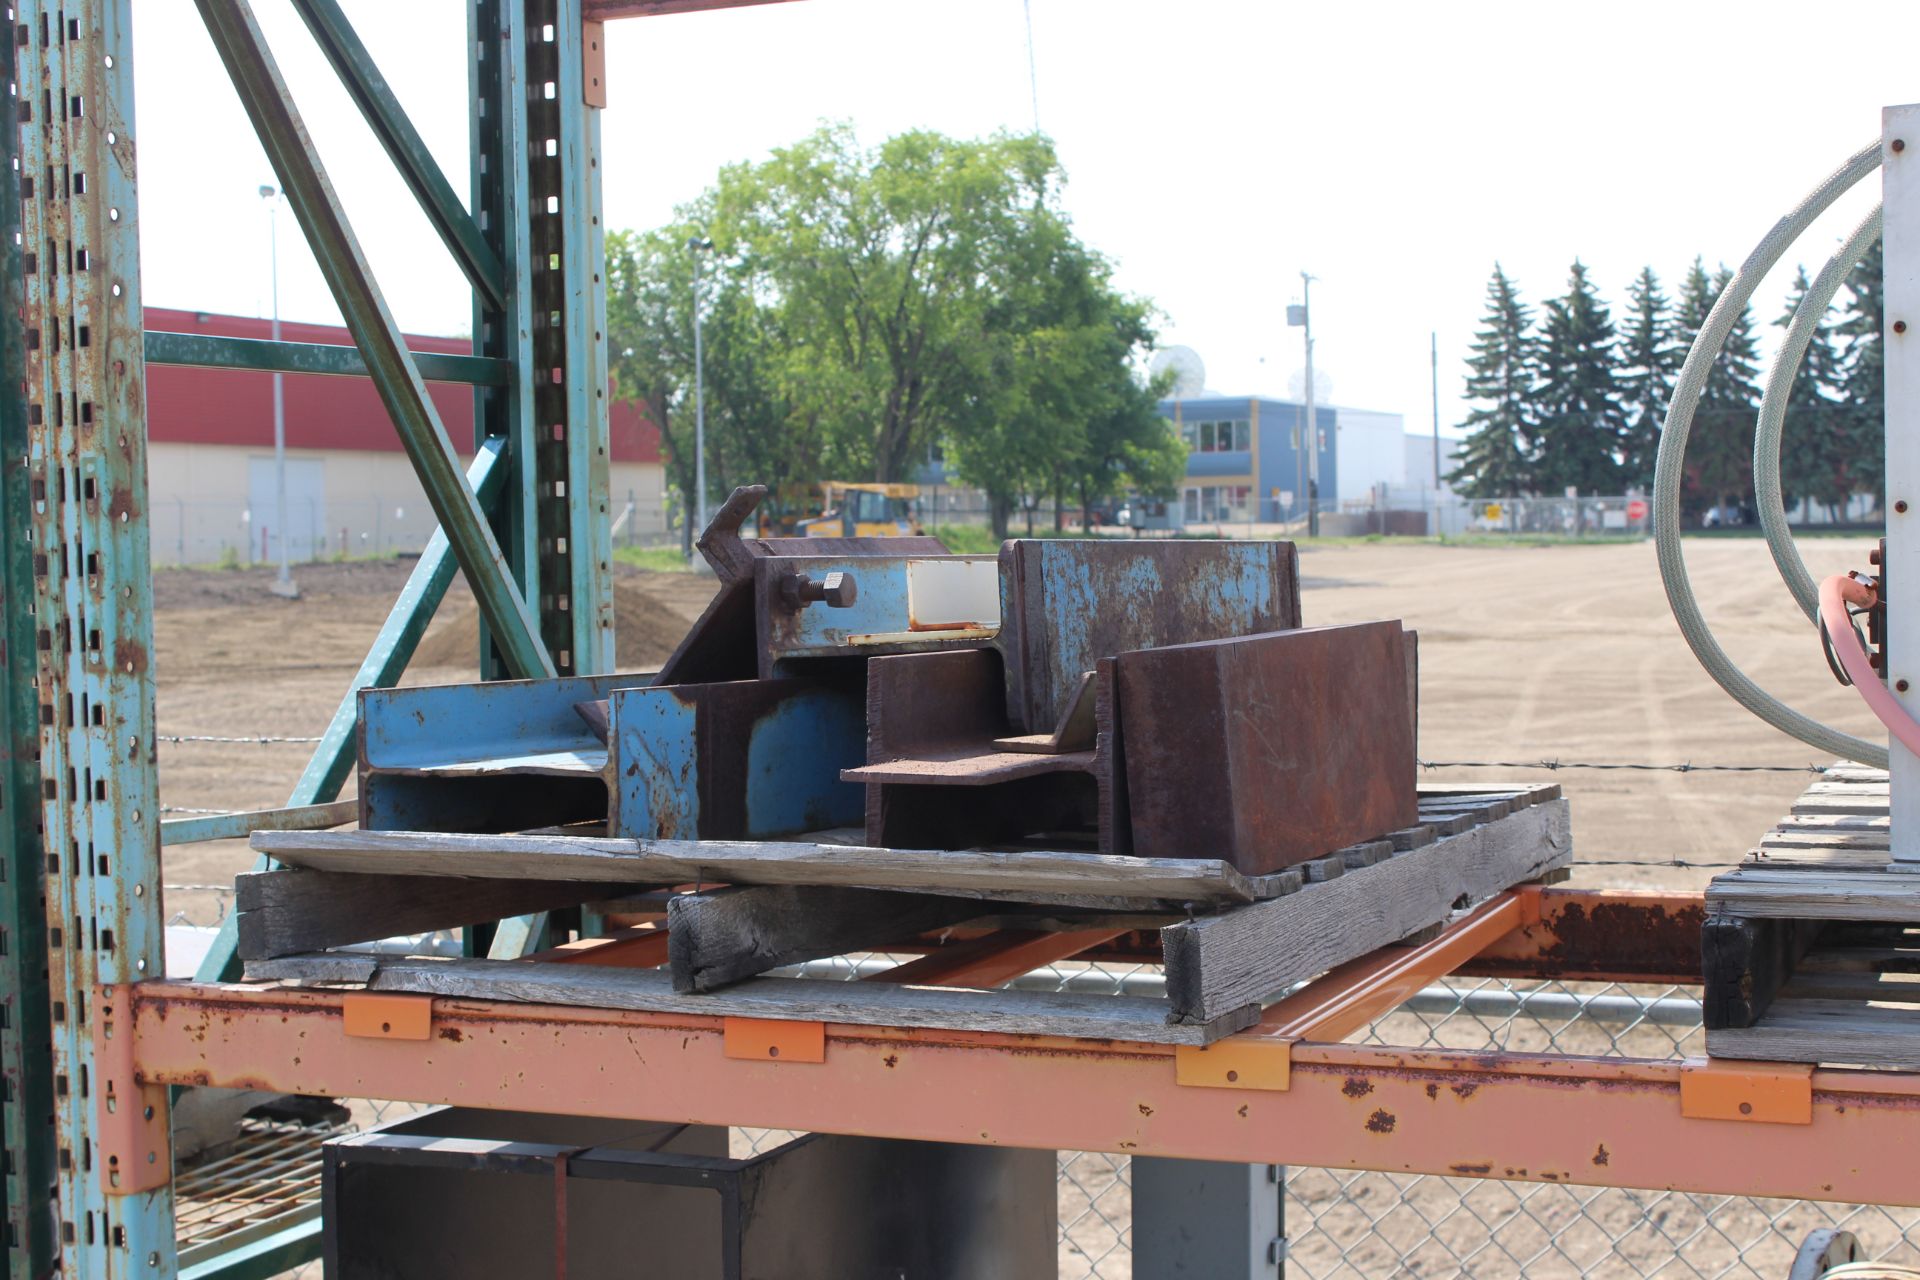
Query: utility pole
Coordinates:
[699,245]
[1435,336]
[1302,316]
[284,585]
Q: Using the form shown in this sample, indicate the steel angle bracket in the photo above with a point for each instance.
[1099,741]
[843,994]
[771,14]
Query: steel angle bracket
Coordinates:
[774,1040]
[1759,1092]
[1257,1062]
[133,1150]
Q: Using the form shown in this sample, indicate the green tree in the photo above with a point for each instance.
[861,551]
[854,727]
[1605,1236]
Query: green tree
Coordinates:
[1720,450]
[1493,458]
[1580,424]
[1650,358]
[884,264]
[1813,454]
[1863,381]
[755,431]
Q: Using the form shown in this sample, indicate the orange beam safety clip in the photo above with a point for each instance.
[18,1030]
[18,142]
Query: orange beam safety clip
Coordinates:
[133,1142]
[1761,1092]
[387,1017]
[1252,1062]
[771,1040]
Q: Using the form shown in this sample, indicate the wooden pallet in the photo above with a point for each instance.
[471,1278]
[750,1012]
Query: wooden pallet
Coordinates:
[1228,943]
[1811,949]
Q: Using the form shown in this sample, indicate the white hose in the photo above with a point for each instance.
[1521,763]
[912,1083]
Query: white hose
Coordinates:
[1773,411]
[1670,465]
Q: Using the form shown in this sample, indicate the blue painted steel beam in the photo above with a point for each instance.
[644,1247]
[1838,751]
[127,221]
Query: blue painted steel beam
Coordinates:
[100,812]
[261,1259]
[233,826]
[418,169]
[212,351]
[243,49]
[333,758]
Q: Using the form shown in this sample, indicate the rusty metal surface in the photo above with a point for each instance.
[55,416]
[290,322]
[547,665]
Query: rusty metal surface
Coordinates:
[1065,604]
[1268,750]
[1522,1117]
[934,777]
[747,759]
[1623,935]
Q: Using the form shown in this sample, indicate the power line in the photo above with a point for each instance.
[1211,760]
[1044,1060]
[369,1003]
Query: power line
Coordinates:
[1687,767]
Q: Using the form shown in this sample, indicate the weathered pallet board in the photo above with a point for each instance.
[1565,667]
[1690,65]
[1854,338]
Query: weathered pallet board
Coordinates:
[1808,954]
[723,935]
[287,912]
[980,873]
[858,1003]
[1285,927]
[1806,1029]
[1217,963]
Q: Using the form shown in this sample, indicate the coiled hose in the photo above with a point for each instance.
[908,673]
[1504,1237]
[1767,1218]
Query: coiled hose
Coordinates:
[1670,464]
[1773,410]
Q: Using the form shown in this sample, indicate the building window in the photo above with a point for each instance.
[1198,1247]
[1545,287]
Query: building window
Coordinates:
[1218,437]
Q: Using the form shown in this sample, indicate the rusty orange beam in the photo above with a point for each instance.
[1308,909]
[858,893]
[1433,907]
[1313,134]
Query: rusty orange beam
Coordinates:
[1600,1122]
[603,10]
[624,948]
[994,958]
[1355,994]
[1607,935]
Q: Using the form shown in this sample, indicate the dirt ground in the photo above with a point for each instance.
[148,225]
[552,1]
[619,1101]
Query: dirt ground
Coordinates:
[1527,654]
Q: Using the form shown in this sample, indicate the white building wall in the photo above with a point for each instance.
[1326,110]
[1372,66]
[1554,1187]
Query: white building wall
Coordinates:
[370,503]
[1371,452]
[1420,460]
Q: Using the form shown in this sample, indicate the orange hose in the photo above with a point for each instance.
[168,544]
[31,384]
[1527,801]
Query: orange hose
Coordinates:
[1836,593]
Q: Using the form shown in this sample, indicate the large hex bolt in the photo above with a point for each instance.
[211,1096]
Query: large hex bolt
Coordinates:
[837,590]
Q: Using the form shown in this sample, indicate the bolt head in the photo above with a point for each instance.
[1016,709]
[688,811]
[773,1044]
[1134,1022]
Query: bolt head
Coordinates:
[839,590]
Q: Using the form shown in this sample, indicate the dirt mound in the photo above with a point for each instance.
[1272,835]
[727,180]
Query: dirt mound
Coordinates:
[651,613]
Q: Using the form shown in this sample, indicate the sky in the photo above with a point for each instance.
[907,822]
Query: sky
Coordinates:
[1214,149]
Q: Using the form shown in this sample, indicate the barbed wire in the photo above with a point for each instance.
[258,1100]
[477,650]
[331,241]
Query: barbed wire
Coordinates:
[209,737]
[1687,767]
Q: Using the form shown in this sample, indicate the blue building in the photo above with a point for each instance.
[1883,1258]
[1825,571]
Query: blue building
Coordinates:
[1246,460]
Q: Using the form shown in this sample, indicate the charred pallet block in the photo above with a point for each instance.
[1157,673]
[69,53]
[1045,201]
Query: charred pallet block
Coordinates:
[1811,949]
[1271,749]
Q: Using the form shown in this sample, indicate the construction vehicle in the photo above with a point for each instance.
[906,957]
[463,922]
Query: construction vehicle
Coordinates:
[847,509]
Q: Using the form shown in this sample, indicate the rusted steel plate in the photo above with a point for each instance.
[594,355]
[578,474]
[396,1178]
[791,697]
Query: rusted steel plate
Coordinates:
[1268,750]
[1625,935]
[1066,604]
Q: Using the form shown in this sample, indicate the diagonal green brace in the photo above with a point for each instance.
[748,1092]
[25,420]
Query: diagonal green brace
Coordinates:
[243,49]
[375,98]
[392,649]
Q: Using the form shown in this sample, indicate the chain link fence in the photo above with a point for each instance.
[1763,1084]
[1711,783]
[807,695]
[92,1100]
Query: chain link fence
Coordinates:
[1354,1225]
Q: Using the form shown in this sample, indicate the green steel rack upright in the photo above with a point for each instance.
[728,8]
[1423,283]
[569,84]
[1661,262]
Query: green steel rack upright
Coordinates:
[88,1173]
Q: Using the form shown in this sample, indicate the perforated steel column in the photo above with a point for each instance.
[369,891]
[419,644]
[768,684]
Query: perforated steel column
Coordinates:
[86,422]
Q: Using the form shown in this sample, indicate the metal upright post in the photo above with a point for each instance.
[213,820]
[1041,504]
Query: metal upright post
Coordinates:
[1208,1218]
[283,586]
[696,246]
[26,1046]
[1313,421]
[1900,192]
[85,397]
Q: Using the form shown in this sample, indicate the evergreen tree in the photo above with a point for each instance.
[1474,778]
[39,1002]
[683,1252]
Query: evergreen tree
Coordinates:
[1863,383]
[1813,454]
[1650,356]
[1500,375]
[1581,425]
[1720,448]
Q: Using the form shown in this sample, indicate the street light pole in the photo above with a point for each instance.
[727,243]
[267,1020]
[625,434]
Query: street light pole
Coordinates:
[284,585]
[699,245]
[1302,316]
